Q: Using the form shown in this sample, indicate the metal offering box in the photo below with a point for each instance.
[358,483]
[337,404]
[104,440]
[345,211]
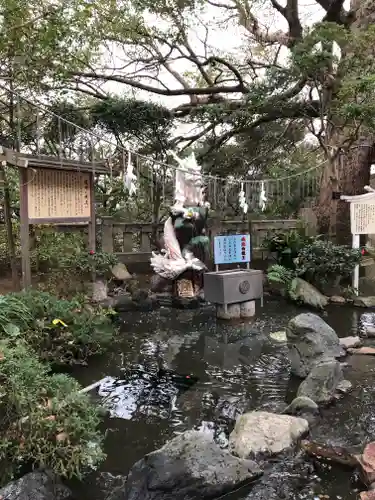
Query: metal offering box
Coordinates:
[233,286]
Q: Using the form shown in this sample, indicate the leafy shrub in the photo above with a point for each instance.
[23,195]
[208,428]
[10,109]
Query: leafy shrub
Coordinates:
[323,262]
[61,331]
[57,250]
[45,421]
[94,262]
[287,245]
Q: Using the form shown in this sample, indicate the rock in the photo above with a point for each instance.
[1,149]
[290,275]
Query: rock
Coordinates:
[120,272]
[99,289]
[190,466]
[303,292]
[124,303]
[279,336]
[301,405]
[140,295]
[132,285]
[322,382]
[260,434]
[158,284]
[344,386]
[164,299]
[283,480]
[278,289]
[36,486]
[186,302]
[310,340]
[367,351]
[337,299]
[349,342]
[335,454]
[367,464]
[364,301]
[370,331]
[97,486]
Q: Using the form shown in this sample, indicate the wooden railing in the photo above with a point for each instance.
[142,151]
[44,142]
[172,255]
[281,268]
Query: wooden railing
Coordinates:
[133,241]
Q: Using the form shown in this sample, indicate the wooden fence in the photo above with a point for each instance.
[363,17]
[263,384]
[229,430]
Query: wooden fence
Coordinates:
[132,241]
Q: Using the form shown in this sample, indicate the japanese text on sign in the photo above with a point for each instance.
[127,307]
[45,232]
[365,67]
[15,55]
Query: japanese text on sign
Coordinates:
[362,217]
[232,249]
[56,195]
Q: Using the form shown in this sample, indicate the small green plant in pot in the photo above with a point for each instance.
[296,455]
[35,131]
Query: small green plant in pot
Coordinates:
[96,266]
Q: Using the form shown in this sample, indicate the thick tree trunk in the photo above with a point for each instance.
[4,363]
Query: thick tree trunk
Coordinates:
[355,174]
[349,172]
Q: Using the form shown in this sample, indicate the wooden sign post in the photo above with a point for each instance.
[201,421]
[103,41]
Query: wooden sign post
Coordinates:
[54,196]
[362,221]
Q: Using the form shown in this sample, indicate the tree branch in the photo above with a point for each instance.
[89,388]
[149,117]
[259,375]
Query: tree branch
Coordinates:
[335,11]
[213,59]
[294,110]
[155,90]
[252,25]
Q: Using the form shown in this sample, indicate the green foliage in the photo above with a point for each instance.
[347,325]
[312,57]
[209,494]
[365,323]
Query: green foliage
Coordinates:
[280,274]
[40,40]
[60,331]
[287,245]
[13,311]
[45,422]
[133,119]
[57,130]
[55,249]
[98,262]
[323,262]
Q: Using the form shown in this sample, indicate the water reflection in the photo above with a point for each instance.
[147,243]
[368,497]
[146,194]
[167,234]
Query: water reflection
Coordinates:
[237,367]
[233,368]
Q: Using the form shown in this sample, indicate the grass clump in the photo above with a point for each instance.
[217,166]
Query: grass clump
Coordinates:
[44,420]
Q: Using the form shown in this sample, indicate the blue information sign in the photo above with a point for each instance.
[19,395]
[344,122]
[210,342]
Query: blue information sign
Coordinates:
[232,249]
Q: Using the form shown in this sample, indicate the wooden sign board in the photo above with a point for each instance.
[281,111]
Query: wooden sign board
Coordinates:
[55,196]
[362,217]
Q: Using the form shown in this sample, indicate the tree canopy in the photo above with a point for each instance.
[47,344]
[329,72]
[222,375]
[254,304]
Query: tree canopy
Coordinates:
[218,76]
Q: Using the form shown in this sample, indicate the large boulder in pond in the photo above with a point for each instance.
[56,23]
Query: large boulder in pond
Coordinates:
[37,485]
[190,466]
[310,340]
[323,382]
[305,293]
[260,434]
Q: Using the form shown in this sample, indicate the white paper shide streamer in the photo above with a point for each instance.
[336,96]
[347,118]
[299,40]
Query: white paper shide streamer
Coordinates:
[242,200]
[262,198]
[130,177]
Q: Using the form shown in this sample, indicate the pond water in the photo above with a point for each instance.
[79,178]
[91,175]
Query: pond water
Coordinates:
[176,370]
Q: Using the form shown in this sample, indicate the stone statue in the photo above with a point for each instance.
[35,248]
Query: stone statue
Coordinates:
[181,262]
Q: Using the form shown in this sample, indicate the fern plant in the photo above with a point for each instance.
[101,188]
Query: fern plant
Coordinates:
[280,274]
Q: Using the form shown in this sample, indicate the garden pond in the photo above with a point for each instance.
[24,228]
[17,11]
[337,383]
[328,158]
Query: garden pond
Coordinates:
[181,369]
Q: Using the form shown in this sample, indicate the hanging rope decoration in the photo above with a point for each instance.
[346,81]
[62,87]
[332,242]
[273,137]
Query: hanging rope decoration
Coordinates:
[220,192]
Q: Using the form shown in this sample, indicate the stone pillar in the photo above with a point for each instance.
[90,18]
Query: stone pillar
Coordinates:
[243,310]
[247,309]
